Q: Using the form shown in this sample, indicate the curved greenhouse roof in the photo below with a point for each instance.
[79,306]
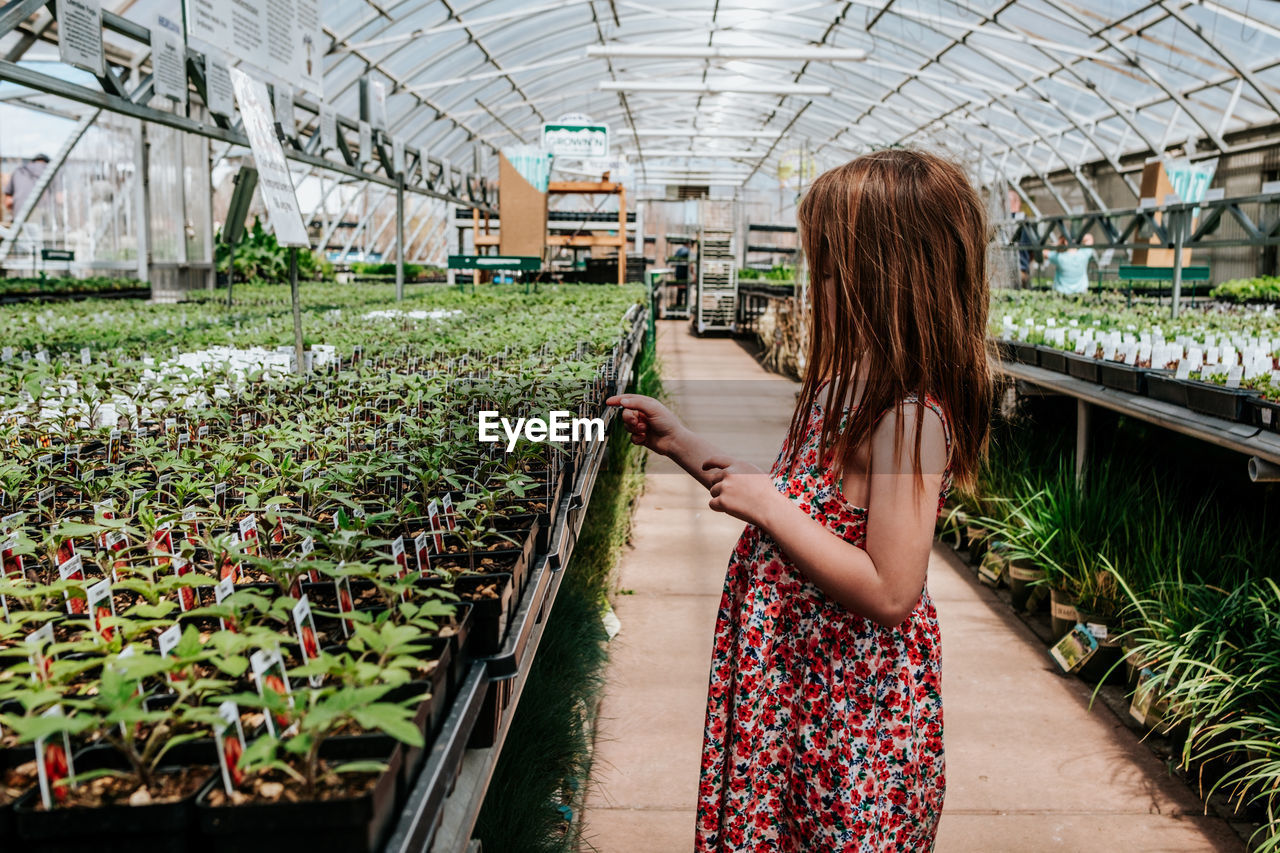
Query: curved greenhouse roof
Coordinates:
[1016,88]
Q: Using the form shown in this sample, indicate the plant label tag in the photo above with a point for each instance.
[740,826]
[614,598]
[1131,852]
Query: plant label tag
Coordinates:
[421,550]
[1074,649]
[305,549]
[66,550]
[346,604]
[168,639]
[249,534]
[433,519]
[191,518]
[45,496]
[450,516]
[220,496]
[73,570]
[187,595]
[117,542]
[202,432]
[1184,370]
[1099,631]
[269,674]
[6,355]
[1234,374]
[102,606]
[1143,697]
[162,544]
[230,737]
[992,568]
[85,356]
[223,590]
[170,424]
[42,356]
[54,764]
[39,641]
[305,624]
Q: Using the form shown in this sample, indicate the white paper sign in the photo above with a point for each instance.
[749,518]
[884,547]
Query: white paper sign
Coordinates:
[169,60]
[397,156]
[328,128]
[283,96]
[80,34]
[218,84]
[366,142]
[274,181]
[377,105]
[281,39]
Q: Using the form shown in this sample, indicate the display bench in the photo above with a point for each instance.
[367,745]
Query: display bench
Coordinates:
[1262,446]
[441,808]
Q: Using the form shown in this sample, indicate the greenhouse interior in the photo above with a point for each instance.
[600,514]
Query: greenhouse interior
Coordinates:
[416,437]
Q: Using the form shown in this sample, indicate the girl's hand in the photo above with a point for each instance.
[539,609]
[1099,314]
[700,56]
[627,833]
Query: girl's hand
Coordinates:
[742,490]
[650,423]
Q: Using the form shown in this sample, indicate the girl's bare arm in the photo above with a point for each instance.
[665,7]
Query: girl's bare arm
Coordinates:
[654,426]
[884,581]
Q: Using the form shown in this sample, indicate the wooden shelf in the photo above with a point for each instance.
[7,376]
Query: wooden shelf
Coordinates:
[486,239]
[584,241]
[584,187]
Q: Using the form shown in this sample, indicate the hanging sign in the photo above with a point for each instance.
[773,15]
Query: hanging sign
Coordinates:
[397,156]
[274,180]
[169,61]
[366,142]
[283,97]
[377,105]
[576,140]
[80,34]
[279,38]
[222,98]
[328,128]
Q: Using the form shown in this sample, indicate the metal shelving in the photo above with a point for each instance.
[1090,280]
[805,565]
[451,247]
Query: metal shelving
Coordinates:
[442,808]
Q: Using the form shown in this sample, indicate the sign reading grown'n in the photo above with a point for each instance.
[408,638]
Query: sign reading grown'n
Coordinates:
[576,140]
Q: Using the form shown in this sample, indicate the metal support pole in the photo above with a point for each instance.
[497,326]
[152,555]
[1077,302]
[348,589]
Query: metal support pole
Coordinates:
[300,365]
[231,273]
[400,238]
[1178,221]
[1083,412]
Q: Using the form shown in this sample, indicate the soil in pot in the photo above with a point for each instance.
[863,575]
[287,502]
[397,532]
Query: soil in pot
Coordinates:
[109,813]
[350,813]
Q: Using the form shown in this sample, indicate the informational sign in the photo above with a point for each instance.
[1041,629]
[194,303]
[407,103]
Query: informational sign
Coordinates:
[377,105]
[169,60]
[397,156]
[576,140]
[279,38]
[283,93]
[218,80]
[274,181]
[366,142]
[80,34]
[328,128]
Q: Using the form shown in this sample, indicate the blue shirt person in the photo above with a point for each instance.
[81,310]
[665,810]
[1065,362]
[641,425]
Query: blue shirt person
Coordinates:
[1072,266]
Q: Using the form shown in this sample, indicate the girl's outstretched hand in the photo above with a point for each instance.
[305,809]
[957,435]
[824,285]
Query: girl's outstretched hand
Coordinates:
[742,490]
[650,423]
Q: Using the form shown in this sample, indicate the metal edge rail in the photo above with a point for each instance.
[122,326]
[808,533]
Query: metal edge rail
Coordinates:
[1242,438]
[445,801]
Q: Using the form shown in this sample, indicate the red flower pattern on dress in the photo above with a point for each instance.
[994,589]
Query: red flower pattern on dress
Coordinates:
[824,729]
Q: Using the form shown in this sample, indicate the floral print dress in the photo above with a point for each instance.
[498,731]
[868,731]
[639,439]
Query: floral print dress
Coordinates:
[824,729]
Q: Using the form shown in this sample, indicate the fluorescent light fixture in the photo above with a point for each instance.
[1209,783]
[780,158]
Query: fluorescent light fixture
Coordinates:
[798,54]
[709,153]
[704,133]
[713,87]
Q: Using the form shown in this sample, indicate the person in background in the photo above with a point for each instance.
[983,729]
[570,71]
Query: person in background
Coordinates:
[1072,265]
[21,182]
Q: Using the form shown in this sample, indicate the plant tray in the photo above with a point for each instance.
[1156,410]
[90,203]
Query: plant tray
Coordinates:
[1216,400]
[1052,359]
[1082,367]
[1163,386]
[1263,413]
[1122,377]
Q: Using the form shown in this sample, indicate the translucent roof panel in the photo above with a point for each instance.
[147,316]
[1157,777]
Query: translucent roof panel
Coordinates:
[1014,88]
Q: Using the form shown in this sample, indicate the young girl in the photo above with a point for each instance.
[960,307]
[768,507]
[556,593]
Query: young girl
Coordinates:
[824,716]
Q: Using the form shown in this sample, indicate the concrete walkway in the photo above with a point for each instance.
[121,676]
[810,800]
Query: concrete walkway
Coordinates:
[1029,767]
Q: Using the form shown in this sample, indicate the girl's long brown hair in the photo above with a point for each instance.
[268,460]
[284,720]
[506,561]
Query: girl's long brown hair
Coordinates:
[896,245]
